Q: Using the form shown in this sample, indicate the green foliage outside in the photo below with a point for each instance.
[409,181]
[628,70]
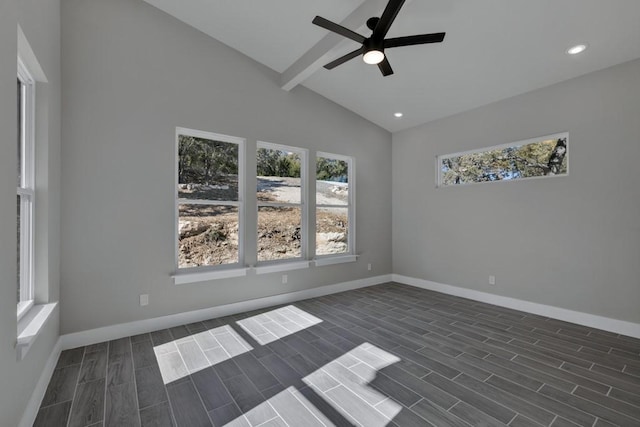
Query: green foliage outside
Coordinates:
[204,161]
[271,162]
[277,163]
[332,170]
[547,157]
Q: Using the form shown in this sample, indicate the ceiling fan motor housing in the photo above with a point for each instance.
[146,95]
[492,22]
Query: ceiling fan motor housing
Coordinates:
[371,44]
[372,22]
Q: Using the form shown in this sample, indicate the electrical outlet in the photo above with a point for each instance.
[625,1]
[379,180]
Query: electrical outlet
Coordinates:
[369,266]
[492,280]
[285,278]
[144,300]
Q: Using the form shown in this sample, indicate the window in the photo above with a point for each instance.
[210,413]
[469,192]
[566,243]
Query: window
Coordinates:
[281,202]
[25,185]
[210,217]
[538,157]
[334,205]
[209,194]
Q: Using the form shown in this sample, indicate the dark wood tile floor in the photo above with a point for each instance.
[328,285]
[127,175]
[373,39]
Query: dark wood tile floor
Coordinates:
[384,355]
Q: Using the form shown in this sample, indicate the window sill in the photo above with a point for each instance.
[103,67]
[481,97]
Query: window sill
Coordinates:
[330,260]
[30,326]
[285,266]
[23,308]
[203,276]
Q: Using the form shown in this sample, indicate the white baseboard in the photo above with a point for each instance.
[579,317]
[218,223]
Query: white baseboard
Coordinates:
[591,320]
[107,333]
[31,411]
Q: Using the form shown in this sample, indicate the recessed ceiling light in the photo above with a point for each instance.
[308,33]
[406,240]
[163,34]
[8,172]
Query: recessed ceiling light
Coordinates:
[577,49]
[398,114]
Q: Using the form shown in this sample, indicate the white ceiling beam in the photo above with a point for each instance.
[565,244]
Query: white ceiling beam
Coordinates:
[320,53]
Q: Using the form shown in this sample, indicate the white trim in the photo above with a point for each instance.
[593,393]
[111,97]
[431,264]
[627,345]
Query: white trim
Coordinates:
[281,266]
[441,157]
[345,206]
[183,278]
[209,202]
[29,57]
[303,153]
[333,259]
[590,320]
[27,103]
[278,205]
[30,326]
[33,406]
[122,330]
[209,135]
[281,147]
[23,308]
[351,197]
[334,156]
[187,273]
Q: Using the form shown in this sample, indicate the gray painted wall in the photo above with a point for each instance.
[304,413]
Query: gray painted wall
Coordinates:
[40,21]
[571,242]
[131,74]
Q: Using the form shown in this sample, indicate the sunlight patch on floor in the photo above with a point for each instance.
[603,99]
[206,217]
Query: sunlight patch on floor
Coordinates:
[287,408]
[343,383]
[184,356]
[275,324]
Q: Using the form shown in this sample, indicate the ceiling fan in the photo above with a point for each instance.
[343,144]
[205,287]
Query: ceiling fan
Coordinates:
[373,47]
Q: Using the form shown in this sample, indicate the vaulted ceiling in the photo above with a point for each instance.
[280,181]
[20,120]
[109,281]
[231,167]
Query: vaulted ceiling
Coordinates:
[494,49]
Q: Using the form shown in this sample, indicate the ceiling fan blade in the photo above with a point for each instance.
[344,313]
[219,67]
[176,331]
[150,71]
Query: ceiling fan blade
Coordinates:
[411,40]
[339,29]
[387,18]
[343,59]
[385,67]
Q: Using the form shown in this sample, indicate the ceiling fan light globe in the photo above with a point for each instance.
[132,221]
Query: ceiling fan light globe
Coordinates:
[373,57]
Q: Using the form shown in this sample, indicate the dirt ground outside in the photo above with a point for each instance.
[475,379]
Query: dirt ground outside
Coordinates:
[209,234]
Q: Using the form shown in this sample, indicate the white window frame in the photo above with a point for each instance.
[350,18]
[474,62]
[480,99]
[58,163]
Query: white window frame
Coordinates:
[350,255]
[303,205]
[440,158]
[199,273]
[26,189]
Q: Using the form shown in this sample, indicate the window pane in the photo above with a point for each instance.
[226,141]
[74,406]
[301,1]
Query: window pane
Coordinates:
[18,249]
[208,235]
[279,233]
[332,181]
[278,174]
[332,226]
[20,101]
[544,157]
[207,169]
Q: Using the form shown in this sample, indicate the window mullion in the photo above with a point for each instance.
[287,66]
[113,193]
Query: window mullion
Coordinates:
[280,205]
[209,202]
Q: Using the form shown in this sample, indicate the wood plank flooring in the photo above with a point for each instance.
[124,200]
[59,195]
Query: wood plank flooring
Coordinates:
[388,355]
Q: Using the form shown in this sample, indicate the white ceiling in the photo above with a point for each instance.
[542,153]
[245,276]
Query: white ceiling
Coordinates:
[494,49]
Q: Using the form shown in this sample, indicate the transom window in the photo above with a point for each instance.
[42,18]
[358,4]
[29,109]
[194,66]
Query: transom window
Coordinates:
[280,172]
[532,158]
[334,205]
[25,187]
[209,199]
